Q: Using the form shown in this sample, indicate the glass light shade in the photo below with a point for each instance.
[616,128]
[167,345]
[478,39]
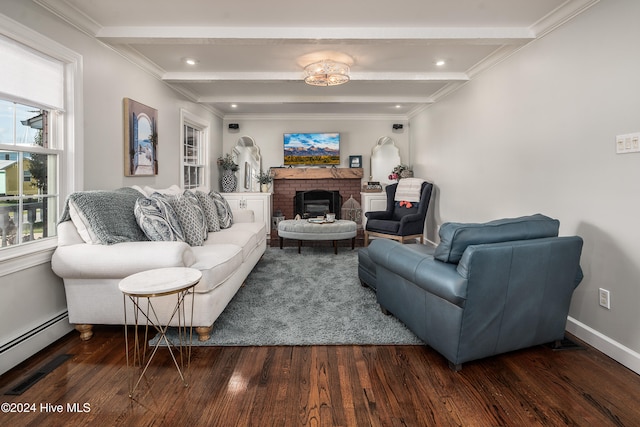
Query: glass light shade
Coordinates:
[326,73]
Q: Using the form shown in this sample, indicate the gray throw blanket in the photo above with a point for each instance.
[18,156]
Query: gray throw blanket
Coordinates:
[108,214]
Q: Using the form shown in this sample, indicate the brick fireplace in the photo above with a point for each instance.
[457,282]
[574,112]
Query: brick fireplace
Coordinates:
[288,181]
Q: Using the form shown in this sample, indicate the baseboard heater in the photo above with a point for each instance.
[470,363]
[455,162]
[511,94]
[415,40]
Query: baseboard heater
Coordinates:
[19,349]
[33,332]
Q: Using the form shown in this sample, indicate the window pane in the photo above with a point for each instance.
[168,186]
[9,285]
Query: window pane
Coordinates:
[35,220]
[30,122]
[41,169]
[22,124]
[8,222]
[10,181]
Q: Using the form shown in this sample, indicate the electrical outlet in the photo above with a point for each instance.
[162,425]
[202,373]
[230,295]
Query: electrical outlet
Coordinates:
[604,298]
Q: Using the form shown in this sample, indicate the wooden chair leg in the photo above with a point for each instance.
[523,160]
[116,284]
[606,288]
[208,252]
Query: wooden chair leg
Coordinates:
[85,331]
[366,239]
[204,332]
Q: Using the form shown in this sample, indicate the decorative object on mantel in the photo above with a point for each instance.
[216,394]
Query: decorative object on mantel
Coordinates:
[228,179]
[355,161]
[264,178]
[401,171]
[351,210]
[140,139]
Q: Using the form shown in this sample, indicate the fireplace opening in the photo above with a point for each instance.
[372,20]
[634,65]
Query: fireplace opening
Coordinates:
[313,203]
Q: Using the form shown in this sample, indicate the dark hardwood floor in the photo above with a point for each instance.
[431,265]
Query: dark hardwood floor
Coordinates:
[323,386]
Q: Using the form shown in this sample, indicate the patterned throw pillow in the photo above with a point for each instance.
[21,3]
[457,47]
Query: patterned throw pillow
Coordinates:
[191,217]
[158,220]
[224,210]
[210,211]
[191,196]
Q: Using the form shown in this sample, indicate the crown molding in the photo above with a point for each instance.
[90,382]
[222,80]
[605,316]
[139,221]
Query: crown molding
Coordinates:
[558,17]
[72,15]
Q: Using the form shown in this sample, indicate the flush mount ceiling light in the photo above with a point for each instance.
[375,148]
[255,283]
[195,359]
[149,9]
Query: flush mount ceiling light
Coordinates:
[326,73]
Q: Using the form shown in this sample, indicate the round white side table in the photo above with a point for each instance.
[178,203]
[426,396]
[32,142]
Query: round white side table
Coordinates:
[144,286]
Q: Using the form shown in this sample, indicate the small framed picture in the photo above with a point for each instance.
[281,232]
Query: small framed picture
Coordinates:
[355,161]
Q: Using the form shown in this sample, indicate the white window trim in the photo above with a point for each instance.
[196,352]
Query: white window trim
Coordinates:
[70,167]
[187,117]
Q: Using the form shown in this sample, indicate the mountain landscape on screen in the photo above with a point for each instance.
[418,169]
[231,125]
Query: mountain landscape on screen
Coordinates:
[311,148]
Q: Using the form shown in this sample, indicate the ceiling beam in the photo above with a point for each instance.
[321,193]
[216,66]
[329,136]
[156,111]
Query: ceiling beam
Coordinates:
[294,76]
[257,35]
[318,99]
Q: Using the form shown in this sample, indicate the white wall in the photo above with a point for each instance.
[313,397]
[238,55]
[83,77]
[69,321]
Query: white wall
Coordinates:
[357,136]
[537,134]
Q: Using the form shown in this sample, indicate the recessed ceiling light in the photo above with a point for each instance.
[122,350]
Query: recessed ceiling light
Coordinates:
[398,106]
[190,61]
[234,105]
[440,63]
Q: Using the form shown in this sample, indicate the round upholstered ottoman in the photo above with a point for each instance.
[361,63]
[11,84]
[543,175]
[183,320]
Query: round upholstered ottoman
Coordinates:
[302,229]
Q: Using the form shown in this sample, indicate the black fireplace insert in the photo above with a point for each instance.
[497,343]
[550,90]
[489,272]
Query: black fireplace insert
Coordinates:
[314,203]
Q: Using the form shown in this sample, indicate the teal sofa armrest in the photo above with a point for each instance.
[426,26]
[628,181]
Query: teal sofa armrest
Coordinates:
[419,267]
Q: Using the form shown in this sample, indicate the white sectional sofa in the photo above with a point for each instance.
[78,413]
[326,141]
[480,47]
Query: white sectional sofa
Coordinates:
[91,272]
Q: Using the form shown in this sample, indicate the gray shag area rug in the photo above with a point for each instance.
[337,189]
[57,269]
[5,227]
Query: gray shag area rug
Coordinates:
[312,298]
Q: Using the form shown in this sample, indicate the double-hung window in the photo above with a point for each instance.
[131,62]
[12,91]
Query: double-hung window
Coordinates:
[28,173]
[39,109]
[194,160]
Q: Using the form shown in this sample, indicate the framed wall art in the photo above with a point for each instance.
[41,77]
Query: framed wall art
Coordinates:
[355,161]
[140,139]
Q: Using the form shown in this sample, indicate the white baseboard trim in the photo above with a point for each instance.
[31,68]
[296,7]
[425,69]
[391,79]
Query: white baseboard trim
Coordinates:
[613,349]
[28,344]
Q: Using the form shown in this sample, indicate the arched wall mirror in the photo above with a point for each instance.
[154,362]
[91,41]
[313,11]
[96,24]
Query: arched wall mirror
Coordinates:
[246,154]
[384,157]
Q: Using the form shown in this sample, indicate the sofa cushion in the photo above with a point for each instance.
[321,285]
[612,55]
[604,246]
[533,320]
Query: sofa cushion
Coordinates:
[385,226]
[224,210]
[210,211]
[217,263]
[104,217]
[158,220]
[455,237]
[243,235]
[191,217]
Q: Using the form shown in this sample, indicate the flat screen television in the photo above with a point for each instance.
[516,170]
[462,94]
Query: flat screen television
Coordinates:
[312,149]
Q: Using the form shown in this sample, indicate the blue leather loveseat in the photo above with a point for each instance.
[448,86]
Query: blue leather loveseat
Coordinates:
[486,289]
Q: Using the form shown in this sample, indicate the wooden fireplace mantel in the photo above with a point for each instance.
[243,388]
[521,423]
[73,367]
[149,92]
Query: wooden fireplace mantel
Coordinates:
[317,173]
